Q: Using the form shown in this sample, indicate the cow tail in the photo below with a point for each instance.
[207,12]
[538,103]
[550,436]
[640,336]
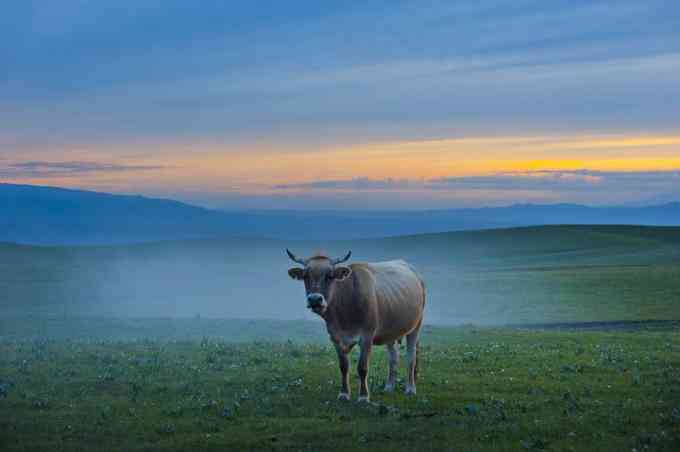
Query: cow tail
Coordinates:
[415,368]
[422,285]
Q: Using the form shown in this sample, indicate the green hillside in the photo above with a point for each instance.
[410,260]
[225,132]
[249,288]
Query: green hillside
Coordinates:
[536,274]
[556,273]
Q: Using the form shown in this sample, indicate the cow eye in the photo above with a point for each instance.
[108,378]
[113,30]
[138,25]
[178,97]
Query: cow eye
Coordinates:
[329,276]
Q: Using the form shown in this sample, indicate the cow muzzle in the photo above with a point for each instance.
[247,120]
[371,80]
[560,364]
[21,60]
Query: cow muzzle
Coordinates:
[316,302]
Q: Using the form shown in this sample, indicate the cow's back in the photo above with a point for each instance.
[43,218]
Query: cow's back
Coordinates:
[400,295]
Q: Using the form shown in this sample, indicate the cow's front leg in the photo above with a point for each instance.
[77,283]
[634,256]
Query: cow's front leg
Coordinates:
[343,360]
[362,368]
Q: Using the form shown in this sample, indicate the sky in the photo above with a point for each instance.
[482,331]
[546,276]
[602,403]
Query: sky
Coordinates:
[344,105]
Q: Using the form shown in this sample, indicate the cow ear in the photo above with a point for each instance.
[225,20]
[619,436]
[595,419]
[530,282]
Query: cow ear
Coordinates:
[296,273]
[341,272]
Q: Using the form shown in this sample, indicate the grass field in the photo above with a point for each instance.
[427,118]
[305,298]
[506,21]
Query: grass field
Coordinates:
[480,389]
[87,363]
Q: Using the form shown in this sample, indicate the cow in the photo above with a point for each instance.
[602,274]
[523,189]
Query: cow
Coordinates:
[369,304]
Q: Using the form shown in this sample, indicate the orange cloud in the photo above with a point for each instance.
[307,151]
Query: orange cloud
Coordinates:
[442,158]
[252,169]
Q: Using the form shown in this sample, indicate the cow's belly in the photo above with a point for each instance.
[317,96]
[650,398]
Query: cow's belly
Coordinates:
[396,323]
[387,336]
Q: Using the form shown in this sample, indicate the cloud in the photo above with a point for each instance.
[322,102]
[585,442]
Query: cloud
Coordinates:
[263,93]
[357,183]
[255,71]
[524,180]
[539,180]
[33,169]
[582,186]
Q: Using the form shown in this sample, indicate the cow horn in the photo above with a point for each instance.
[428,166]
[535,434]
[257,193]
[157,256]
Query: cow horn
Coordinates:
[344,259]
[294,258]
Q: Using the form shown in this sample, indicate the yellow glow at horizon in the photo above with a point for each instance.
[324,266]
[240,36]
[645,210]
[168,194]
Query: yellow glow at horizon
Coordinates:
[456,157]
[215,167]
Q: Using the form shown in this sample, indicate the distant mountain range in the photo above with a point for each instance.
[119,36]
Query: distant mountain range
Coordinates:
[57,216]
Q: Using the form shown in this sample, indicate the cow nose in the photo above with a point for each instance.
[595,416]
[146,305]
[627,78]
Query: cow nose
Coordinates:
[314,299]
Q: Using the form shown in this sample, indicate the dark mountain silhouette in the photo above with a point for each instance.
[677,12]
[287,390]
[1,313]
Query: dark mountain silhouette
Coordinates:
[48,215]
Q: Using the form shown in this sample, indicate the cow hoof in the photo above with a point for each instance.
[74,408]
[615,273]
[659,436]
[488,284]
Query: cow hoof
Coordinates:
[389,387]
[363,399]
[410,390]
[343,396]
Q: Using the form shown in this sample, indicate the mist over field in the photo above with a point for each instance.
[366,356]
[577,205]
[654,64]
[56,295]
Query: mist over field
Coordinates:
[88,254]
[525,275]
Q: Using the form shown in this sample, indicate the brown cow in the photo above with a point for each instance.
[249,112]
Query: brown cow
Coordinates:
[365,303]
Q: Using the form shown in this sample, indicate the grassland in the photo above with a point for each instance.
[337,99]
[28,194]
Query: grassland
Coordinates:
[75,377]
[554,273]
[480,389]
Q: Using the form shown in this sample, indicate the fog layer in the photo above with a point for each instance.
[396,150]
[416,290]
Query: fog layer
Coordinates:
[485,277]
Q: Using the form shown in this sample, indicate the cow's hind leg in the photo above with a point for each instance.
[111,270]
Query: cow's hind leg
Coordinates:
[362,368]
[412,340]
[343,360]
[393,355]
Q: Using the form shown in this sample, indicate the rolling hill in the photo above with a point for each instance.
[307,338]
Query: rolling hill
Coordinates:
[520,275]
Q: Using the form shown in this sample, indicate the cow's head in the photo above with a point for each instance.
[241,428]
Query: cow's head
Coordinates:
[319,274]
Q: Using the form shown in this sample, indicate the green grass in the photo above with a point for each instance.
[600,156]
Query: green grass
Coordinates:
[72,377]
[480,389]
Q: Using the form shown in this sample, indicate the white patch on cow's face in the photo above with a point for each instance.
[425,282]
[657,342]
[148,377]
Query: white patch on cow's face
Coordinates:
[317,303]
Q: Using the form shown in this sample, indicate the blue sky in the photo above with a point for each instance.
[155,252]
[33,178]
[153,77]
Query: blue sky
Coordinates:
[149,92]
